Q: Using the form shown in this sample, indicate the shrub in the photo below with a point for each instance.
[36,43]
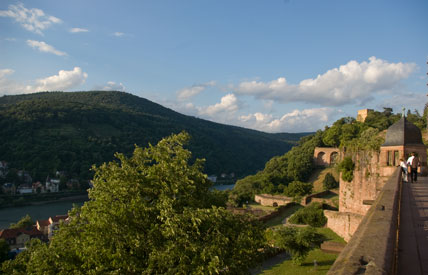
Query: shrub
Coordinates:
[330,182]
[346,166]
[312,215]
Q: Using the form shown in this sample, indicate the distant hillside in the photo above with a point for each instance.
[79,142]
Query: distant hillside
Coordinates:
[65,131]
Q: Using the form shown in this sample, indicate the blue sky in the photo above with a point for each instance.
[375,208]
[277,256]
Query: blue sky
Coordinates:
[274,66]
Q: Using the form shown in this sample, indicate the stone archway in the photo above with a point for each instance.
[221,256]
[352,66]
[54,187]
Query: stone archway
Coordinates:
[320,158]
[325,156]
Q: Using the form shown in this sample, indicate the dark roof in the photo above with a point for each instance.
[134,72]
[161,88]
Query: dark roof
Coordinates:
[403,132]
[43,222]
[58,218]
[13,233]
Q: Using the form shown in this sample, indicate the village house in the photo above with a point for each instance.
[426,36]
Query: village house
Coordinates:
[52,185]
[48,227]
[24,189]
[16,238]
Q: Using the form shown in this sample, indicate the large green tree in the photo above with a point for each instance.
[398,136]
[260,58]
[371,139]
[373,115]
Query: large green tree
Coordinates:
[297,241]
[148,214]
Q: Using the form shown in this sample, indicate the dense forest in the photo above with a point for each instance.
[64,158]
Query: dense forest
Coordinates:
[57,131]
[295,167]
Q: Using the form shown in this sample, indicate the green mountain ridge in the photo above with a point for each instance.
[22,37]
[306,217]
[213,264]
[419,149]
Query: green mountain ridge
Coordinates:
[69,131]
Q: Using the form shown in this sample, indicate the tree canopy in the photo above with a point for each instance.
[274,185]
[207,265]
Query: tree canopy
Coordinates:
[24,222]
[151,213]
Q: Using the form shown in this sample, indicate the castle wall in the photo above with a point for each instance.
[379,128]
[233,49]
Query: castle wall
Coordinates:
[272,200]
[368,180]
[344,224]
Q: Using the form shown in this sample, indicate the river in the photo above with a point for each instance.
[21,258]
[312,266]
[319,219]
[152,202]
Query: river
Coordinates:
[44,211]
[37,212]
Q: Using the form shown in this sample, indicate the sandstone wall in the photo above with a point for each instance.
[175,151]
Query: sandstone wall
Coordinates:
[272,200]
[344,224]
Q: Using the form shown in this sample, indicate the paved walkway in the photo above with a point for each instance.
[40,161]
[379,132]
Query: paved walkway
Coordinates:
[413,244]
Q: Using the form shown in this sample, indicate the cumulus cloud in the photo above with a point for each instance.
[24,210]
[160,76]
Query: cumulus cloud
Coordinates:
[296,121]
[64,80]
[350,83]
[110,86]
[189,92]
[34,20]
[77,30]
[228,104]
[43,47]
[118,34]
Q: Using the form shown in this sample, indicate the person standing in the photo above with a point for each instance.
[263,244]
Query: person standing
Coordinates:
[403,166]
[413,162]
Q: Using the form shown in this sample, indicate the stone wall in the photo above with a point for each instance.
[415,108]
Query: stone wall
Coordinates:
[272,200]
[343,223]
[371,249]
[369,179]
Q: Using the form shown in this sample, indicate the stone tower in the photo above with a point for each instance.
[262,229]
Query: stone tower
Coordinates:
[402,138]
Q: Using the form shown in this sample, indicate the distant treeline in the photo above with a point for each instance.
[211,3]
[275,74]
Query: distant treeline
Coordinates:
[56,131]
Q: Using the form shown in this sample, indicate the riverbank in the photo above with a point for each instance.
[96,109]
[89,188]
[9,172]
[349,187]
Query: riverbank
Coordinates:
[7,201]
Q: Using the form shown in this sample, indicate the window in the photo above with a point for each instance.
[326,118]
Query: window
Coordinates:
[390,159]
[396,158]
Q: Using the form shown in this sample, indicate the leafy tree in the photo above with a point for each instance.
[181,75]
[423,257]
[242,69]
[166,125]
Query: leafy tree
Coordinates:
[330,182]
[150,213]
[312,214]
[297,241]
[298,189]
[24,222]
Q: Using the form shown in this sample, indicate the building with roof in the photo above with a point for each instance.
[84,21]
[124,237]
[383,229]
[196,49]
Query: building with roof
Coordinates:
[18,237]
[402,139]
[48,227]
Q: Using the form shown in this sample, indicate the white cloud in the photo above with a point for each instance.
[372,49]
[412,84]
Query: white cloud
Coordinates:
[64,80]
[189,92]
[110,86]
[118,34]
[43,47]
[228,104]
[296,121]
[350,83]
[77,30]
[34,20]
[5,72]
[10,39]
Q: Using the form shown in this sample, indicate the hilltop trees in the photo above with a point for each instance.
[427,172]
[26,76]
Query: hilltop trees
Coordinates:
[150,213]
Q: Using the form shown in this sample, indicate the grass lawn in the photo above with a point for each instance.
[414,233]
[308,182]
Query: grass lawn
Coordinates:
[277,221]
[324,260]
[261,207]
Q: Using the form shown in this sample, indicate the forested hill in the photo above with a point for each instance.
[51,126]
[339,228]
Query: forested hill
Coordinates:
[70,131]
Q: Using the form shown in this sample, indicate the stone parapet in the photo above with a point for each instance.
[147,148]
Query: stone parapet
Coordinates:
[371,249]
